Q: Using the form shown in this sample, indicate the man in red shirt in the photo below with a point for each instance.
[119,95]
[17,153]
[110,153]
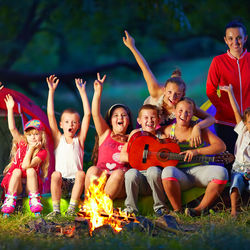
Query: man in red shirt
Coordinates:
[233,68]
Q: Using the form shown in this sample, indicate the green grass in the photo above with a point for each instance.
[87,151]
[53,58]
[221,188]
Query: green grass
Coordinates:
[215,231]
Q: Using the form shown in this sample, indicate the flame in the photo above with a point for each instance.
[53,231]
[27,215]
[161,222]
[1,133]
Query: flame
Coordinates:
[98,207]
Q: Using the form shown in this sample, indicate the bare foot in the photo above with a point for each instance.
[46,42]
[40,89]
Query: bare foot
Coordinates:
[234,214]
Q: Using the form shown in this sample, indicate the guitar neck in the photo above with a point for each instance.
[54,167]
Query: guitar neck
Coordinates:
[197,158]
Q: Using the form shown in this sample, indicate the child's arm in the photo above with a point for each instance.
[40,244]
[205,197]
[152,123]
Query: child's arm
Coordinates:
[207,121]
[86,109]
[233,102]
[124,153]
[100,124]
[216,146]
[27,162]
[11,120]
[155,90]
[52,82]
[1,85]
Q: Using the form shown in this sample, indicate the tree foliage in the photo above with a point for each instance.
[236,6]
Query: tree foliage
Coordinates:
[81,36]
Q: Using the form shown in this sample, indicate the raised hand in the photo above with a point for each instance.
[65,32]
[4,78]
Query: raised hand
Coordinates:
[52,82]
[228,89]
[9,101]
[1,85]
[98,83]
[80,84]
[129,41]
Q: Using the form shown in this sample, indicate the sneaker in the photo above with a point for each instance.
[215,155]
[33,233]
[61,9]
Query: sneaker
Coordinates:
[35,203]
[70,213]
[9,204]
[176,214]
[162,211]
[191,212]
[129,211]
[53,214]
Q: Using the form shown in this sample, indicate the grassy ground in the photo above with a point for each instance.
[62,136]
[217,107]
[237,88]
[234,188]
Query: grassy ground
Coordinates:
[214,231]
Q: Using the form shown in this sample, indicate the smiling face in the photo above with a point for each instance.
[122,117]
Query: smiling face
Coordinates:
[184,112]
[119,121]
[70,123]
[235,40]
[148,119]
[172,94]
[33,136]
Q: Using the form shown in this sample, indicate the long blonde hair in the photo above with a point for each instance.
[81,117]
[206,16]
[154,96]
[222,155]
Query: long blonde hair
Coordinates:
[44,164]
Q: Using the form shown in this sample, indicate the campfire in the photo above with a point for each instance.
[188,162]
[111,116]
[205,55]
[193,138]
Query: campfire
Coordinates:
[97,208]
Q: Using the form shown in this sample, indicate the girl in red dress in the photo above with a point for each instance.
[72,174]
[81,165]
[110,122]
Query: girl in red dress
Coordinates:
[29,155]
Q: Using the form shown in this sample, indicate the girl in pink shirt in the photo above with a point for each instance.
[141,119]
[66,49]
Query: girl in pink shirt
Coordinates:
[111,136]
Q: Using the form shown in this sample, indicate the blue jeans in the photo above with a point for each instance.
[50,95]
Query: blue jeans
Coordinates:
[238,181]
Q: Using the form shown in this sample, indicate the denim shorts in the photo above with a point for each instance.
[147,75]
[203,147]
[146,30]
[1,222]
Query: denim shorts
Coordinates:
[238,181]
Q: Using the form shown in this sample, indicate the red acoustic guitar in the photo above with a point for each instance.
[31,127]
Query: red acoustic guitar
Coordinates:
[145,150]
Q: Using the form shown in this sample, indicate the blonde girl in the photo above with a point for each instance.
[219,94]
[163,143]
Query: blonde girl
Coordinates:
[167,97]
[29,155]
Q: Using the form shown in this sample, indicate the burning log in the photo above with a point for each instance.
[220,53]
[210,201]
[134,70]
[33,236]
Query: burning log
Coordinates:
[97,208]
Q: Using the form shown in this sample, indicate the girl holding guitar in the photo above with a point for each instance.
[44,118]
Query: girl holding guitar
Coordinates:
[186,175]
[166,98]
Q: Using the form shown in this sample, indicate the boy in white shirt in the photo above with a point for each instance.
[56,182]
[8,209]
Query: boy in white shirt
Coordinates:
[69,148]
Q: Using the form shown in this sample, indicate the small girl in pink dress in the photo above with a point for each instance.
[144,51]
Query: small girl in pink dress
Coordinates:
[29,156]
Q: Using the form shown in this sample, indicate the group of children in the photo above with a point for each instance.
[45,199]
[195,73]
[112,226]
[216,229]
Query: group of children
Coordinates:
[167,113]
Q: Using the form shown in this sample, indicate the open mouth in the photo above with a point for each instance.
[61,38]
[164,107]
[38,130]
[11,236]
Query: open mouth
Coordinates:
[182,119]
[172,102]
[150,125]
[70,129]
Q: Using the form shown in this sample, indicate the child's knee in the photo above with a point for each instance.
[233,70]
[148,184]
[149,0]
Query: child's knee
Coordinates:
[93,171]
[17,173]
[56,176]
[31,172]
[169,172]
[219,174]
[118,175]
[131,175]
[154,173]
[80,175]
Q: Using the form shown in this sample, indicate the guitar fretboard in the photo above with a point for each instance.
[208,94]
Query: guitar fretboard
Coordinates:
[175,156]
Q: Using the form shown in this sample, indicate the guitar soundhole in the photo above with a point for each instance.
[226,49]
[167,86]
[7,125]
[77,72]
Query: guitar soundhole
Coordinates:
[162,155]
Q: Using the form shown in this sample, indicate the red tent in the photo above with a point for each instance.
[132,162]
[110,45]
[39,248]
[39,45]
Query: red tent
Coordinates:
[28,110]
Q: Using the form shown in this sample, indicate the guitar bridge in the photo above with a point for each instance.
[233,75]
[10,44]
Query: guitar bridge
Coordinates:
[145,153]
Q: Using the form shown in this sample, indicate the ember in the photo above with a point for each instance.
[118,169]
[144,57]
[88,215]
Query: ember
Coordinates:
[97,208]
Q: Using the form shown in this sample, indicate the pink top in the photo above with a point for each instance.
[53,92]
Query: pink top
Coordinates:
[109,155]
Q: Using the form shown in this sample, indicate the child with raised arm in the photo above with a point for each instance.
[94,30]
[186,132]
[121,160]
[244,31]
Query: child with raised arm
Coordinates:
[112,134]
[145,182]
[166,98]
[69,148]
[186,174]
[240,175]
[29,155]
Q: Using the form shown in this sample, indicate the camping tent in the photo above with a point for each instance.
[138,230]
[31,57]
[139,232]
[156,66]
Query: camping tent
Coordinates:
[24,110]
